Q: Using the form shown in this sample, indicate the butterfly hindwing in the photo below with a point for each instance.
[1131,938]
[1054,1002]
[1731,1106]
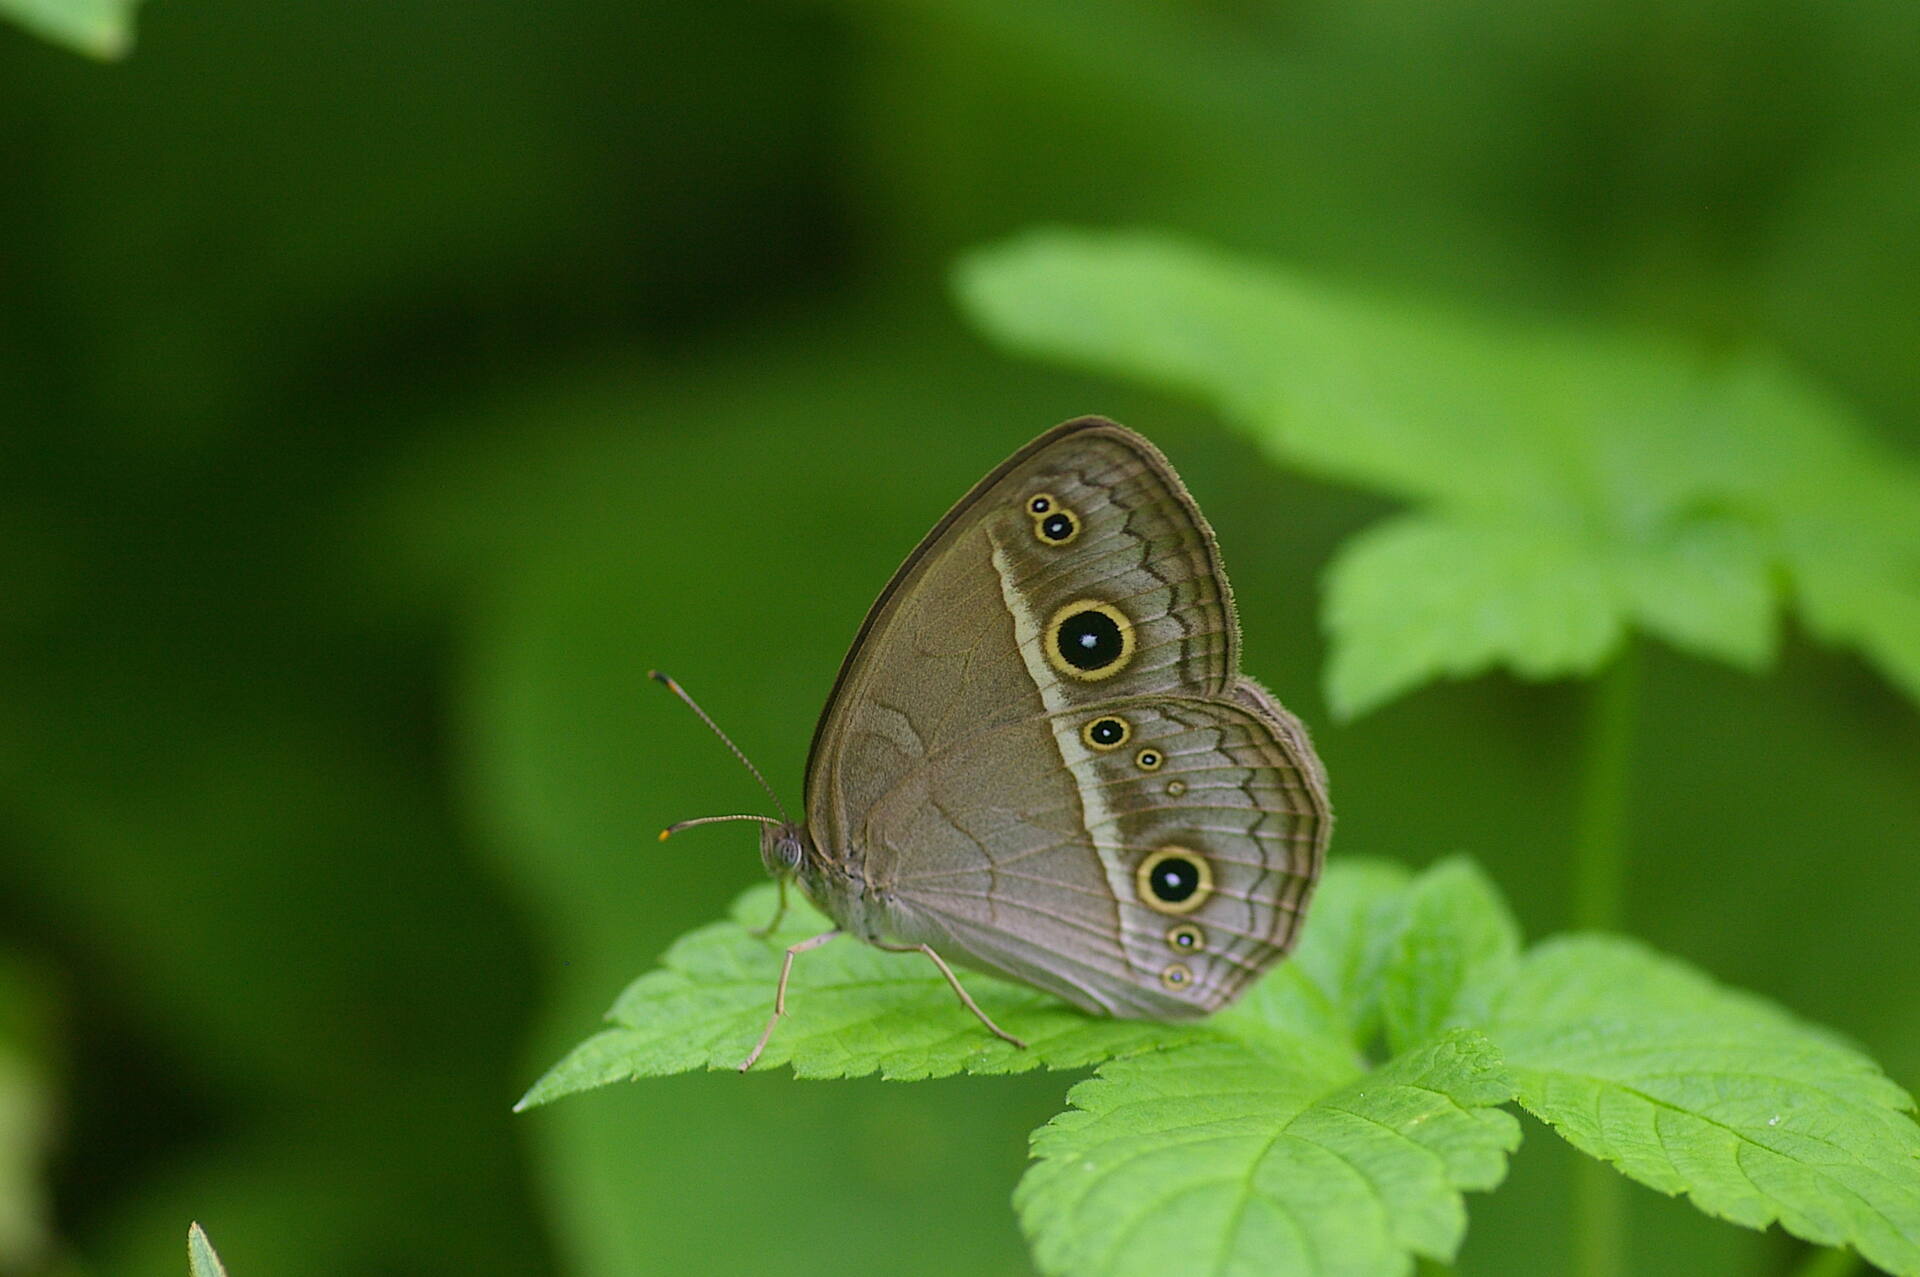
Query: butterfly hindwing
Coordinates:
[1171,872]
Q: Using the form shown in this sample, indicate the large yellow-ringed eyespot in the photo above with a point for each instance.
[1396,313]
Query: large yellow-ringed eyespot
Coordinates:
[1149,759]
[1186,937]
[1177,977]
[1173,880]
[1109,731]
[1058,528]
[1089,640]
[1042,503]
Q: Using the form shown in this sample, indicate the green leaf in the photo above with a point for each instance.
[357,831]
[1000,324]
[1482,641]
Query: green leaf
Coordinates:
[1330,987]
[1861,590]
[1263,1117]
[98,28]
[1458,946]
[1418,597]
[200,1255]
[1424,596]
[1216,1158]
[1845,517]
[1704,586]
[1259,1137]
[1570,486]
[851,1010]
[1387,397]
[1692,1088]
[854,1010]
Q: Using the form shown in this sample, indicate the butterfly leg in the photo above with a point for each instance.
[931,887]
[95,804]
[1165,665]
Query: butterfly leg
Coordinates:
[954,981]
[780,993]
[761,933]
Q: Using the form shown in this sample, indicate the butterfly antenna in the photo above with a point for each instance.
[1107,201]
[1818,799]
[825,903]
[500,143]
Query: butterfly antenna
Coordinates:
[746,762]
[678,825]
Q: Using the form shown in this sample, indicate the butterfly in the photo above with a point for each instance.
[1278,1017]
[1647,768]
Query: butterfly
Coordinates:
[1041,759]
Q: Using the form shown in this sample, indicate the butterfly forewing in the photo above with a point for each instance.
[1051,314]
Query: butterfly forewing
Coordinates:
[959,640]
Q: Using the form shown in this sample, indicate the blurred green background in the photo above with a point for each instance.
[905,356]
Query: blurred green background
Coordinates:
[383,391]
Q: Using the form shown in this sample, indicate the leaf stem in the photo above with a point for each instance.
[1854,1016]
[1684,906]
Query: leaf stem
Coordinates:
[1829,1263]
[1600,831]
[1599,1220]
[1599,891]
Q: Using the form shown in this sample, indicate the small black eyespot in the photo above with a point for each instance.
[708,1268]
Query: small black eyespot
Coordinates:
[1148,760]
[1107,731]
[1040,505]
[1187,936]
[1057,527]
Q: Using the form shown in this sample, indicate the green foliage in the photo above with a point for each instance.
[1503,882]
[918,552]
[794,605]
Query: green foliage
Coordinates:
[1570,486]
[98,28]
[852,1010]
[202,1260]
[1690,1088]
[1264,1137]
[1456,943]
[1216,1158]
[387,388]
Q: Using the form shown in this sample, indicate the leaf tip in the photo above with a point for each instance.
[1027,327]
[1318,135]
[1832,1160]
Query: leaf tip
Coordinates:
[538,1095]
[202,1259]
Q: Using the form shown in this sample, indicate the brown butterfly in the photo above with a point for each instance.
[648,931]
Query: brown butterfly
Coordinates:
[1042,760]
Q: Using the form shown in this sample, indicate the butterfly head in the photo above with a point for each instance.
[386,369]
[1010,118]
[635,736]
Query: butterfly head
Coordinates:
[783,844]
[782,847]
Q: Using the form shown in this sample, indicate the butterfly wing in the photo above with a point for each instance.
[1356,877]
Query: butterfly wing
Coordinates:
[971,633]
[1040,758]
[1172,872]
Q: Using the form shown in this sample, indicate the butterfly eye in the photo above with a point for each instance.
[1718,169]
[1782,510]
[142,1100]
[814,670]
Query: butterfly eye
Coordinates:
[1174,880]
[1106,732]
[1149,760]
[1057,528]
[1089,640]
[1188,937]
[1178,977]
